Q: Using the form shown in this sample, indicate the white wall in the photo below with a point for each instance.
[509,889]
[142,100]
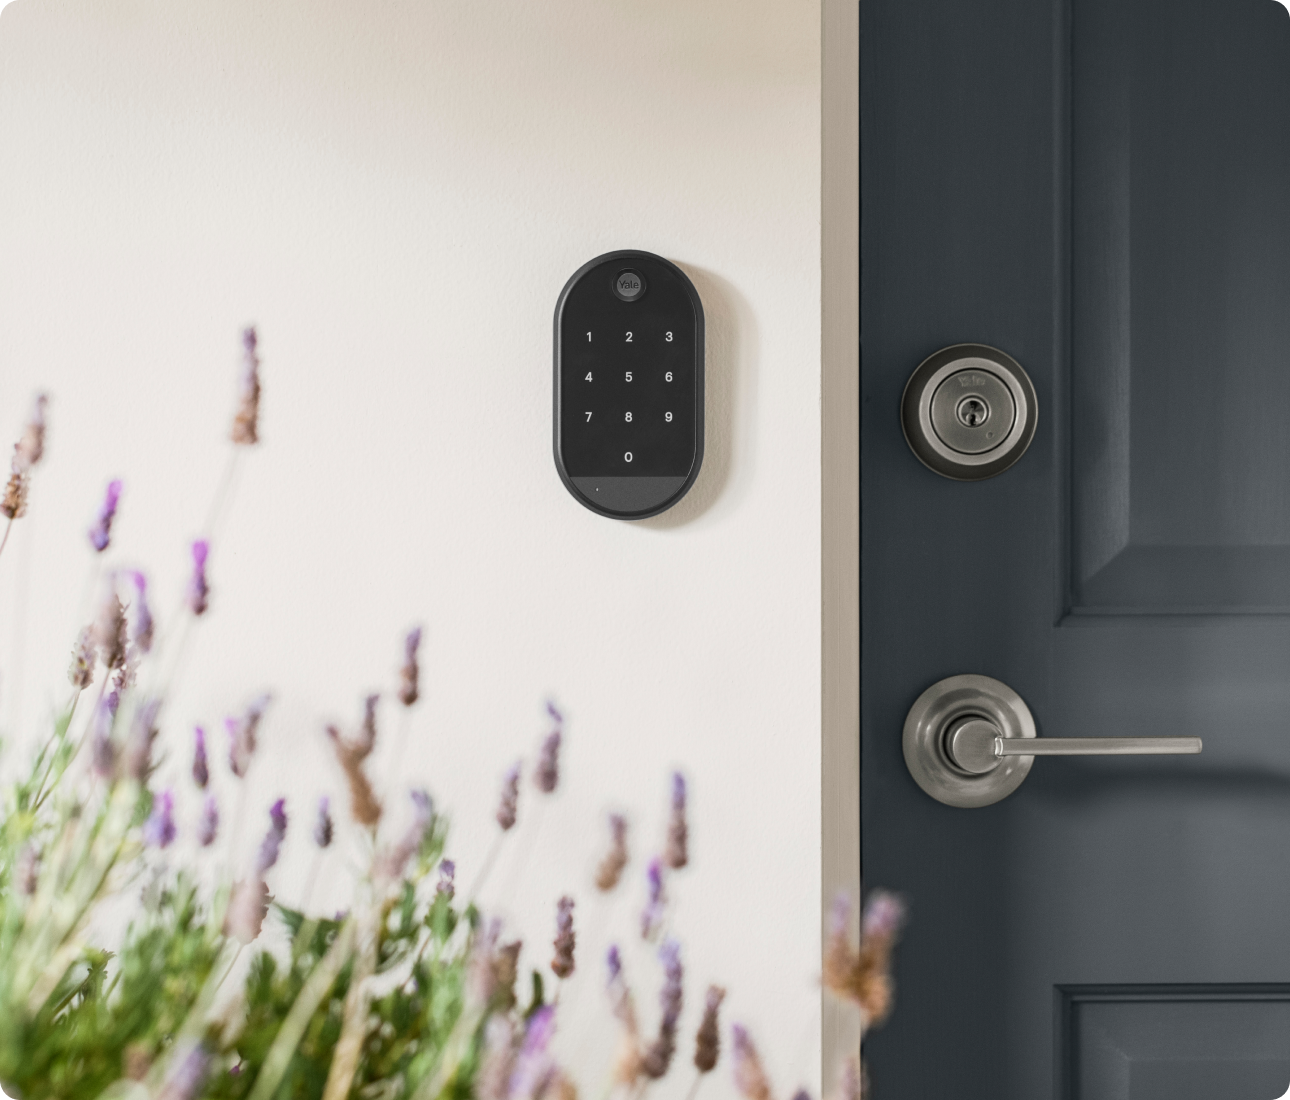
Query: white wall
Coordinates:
[395,193]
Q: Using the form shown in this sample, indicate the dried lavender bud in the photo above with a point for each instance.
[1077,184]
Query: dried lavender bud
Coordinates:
[627,1066]
[159,830]
[447,885]
[27,872]
[410,673]
[81,672]
[547,773]
[271,846]
[364,807]
[323,828]
[508,807]
[13,504]
[658,1058]
[198,597]
[750,1075]
[481,975]
[110,629]
[101,533]
[136,757]
[244,735]
[533,1066]
[248,905]
[390,865]
[143,624]
[201,769]
[554,712]
[246,422]
[492,1082]
[652,914]
[189,1069]
[565,939]
[611,867]
[677,852]
[802,1094]
[103,755]
[31,447]
[208,826]
[707,1043]
[851,1086]
[366,740]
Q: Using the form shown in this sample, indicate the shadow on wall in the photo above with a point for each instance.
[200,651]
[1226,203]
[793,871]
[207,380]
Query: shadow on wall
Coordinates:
[730,397]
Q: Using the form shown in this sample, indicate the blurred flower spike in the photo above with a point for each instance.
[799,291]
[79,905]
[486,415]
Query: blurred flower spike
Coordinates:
[101,532]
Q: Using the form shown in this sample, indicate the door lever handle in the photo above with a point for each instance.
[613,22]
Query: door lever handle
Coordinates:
[971,740]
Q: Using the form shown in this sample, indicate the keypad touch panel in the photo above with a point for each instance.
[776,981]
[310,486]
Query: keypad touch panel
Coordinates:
[628,384]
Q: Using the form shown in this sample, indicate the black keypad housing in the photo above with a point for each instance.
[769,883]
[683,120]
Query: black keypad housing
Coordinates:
[629,357]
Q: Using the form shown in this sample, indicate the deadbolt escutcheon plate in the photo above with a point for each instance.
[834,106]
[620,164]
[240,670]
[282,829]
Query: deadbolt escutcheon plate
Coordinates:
[969,412]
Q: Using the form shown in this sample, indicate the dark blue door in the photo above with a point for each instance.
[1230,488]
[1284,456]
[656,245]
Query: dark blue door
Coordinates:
[1100,189]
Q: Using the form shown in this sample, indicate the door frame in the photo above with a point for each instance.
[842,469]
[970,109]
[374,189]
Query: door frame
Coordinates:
[840,492]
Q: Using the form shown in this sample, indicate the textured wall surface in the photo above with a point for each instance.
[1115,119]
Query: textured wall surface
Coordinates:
[395,194]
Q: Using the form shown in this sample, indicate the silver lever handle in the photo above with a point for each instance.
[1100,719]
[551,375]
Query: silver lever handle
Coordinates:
[971,740]
[976,745]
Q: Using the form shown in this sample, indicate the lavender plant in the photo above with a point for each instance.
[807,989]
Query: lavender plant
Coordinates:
[412,993]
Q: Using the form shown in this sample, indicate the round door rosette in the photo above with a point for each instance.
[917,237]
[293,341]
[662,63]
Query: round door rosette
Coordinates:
[929,722]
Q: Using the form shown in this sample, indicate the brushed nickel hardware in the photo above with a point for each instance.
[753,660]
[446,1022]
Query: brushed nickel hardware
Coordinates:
[971,740]
[969,412]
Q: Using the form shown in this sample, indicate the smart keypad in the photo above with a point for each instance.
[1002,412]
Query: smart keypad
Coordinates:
[628,384]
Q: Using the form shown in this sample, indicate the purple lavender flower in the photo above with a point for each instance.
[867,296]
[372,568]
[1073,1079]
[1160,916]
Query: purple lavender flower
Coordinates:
[323,828]
[547,773]
[198,589]
[366,740]
[614,962]
[750,1075]
[201,770]
[554,712]
[159,829]
[410,673]
[883,915]
[677,853]
[508,807]
[143,624]
[565,940]
[533,1066]
[101,532]
[272,843]
[447,886]
[208,826]
[659,1055]
[243,735]
[189,1069]
[246,421]
[652,914]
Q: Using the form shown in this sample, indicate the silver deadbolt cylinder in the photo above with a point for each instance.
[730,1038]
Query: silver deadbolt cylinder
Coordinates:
[969,412]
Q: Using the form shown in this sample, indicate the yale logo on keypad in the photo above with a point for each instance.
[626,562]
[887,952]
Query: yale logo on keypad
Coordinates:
[628,384]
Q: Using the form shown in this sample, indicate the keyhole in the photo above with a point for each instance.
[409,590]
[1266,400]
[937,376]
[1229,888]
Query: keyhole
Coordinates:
[972,412]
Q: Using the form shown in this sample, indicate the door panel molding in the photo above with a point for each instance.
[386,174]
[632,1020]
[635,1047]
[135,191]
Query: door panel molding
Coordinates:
[1179,379]
[1143,1042]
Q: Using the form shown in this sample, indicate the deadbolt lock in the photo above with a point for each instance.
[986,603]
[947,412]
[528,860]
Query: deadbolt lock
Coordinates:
[969,412]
